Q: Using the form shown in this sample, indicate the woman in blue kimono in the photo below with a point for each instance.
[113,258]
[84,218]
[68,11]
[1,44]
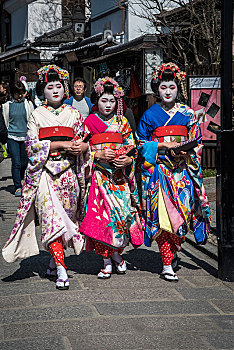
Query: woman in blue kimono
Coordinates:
[174,198]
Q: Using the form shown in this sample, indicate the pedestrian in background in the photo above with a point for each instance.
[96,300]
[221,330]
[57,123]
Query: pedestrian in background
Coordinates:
[16,113]
[4,92]
[3,129]
[79,101]
[28,93]
[3,136]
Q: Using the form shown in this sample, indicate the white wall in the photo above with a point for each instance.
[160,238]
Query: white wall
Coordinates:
[137,26]
[43,16]
[32,18]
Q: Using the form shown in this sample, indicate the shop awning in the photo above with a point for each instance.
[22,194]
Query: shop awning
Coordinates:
[19,51]
[142,42]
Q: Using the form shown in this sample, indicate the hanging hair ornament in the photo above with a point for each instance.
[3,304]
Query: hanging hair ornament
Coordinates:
[178,74]
[62,73]
[117,92]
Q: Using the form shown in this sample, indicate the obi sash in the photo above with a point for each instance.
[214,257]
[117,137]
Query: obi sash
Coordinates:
[170,130]
[106,137]
[56,133]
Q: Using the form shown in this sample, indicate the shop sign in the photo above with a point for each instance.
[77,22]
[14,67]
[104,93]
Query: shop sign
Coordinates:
[152,59]
[205,99]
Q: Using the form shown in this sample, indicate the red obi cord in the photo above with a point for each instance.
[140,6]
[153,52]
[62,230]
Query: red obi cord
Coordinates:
[106,137]
[169,130]
[56,250]
[55,131]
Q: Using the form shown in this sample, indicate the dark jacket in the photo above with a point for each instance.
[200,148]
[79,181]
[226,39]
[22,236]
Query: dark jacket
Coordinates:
[3,129]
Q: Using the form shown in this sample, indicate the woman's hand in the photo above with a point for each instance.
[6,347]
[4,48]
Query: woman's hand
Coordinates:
[60,146]
[72,147]
[162,145]
[107,155]
[78,147]
[167,145]
[122,161]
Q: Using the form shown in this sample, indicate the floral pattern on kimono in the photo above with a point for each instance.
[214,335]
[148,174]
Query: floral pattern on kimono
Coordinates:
[55,188]
[174,198]
[113,209]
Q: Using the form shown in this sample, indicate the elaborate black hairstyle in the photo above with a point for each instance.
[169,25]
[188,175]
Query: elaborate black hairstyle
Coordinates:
[51,73]
[167,75]
[170,71]
[108,88]
[40,85]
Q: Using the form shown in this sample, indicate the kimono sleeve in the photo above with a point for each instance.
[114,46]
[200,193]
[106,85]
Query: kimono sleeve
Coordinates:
[128,138]
[146,146]
[80,130]
[37,151]
[194,131]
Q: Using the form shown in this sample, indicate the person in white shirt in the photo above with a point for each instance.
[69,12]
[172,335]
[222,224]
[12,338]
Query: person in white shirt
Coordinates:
[79,100]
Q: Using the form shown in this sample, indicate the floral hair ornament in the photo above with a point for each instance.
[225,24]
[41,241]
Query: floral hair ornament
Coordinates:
[117,92]
[178,74]
[62,73]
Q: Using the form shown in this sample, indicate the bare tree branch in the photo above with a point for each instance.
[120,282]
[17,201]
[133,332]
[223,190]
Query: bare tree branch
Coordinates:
[192,28]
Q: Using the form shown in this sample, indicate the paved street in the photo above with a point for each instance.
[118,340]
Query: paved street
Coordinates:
[134,311]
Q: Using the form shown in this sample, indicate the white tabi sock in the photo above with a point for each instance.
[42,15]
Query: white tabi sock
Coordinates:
[168,269]
[107,265]
[62,272]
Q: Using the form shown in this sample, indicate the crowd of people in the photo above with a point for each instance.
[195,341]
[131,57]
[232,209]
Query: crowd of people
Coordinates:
[78,158]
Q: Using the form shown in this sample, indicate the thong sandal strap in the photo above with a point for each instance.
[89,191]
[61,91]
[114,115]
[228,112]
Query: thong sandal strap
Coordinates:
[169,274]
[105,272]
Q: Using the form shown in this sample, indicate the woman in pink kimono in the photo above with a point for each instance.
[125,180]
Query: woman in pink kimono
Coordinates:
[113,212]
[55,178]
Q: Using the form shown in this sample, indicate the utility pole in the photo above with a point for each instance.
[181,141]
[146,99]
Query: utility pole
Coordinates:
[225,154]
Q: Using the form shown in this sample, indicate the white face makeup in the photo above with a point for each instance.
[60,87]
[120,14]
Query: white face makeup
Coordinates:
[54,93]
[106,104]
[168,92]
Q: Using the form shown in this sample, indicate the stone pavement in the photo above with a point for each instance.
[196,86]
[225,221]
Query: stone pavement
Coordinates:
[134,311]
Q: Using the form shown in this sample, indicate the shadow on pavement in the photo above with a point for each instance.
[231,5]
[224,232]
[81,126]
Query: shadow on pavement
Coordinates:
[5,178]
[201,263]
[143,260]
[90,264]
[137,259]
[30,267]
[85,263]
[9,188]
